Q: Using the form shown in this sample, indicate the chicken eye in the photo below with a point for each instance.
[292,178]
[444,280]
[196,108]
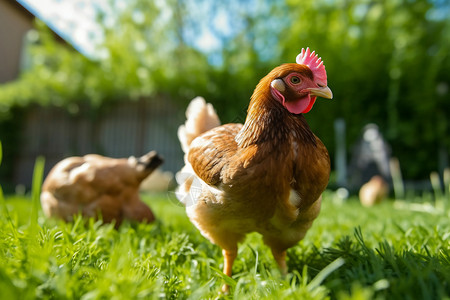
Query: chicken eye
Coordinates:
[295,80]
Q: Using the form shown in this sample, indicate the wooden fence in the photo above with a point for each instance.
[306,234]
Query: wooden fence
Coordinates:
[125,129]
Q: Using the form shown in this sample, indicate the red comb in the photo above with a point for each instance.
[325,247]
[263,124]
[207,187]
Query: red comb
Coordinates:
[315,63]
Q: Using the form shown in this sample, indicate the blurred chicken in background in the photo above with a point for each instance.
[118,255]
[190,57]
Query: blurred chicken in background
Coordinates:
[98,186]
[374,191]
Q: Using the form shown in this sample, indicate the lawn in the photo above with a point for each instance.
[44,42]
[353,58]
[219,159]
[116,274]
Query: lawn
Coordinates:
[351,252]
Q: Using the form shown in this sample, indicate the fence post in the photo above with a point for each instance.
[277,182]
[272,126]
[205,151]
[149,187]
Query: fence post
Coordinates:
[341,153]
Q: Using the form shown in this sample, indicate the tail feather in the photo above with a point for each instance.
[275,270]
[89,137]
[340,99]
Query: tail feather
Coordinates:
[201,117]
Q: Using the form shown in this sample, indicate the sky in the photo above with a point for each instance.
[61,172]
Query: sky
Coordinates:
[75,21]
[72,20]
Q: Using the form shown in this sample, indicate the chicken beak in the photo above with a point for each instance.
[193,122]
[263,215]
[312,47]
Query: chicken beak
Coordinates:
[323,92]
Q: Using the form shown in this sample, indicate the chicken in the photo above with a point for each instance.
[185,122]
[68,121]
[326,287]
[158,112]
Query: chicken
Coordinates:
[374,191]
[95,185]
[264,176]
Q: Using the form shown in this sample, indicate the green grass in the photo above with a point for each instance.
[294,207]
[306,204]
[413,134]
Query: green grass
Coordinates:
[351,252]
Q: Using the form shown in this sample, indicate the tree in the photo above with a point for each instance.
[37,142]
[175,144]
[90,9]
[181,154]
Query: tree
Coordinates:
[385,61]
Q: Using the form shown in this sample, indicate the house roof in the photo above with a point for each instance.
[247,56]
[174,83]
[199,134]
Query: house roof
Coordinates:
[72,20]
[18,7]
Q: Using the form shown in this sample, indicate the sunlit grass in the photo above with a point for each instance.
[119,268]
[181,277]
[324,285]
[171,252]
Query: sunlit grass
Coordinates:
[351,252]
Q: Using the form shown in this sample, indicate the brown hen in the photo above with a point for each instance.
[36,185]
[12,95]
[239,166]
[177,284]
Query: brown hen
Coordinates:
[95,185]
[264,176]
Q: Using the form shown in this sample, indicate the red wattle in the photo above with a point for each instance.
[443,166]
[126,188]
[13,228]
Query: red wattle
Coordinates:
[311,103]
[297,106]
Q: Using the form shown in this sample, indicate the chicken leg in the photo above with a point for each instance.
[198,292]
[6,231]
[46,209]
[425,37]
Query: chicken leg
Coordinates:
[280,258]
[229,257]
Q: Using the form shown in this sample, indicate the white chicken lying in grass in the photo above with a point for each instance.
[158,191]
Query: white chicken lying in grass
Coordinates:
[94,186]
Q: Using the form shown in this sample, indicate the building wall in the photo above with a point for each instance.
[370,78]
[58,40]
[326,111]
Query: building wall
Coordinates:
[15,22]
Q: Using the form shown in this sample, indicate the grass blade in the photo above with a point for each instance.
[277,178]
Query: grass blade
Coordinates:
[38,175]
[228,280]
[399,188]
[5,210]
[317,281]
[446,189]
[437,189]
[2,197]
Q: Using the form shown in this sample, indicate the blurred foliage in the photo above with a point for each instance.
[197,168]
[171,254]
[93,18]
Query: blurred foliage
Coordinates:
[387,63]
